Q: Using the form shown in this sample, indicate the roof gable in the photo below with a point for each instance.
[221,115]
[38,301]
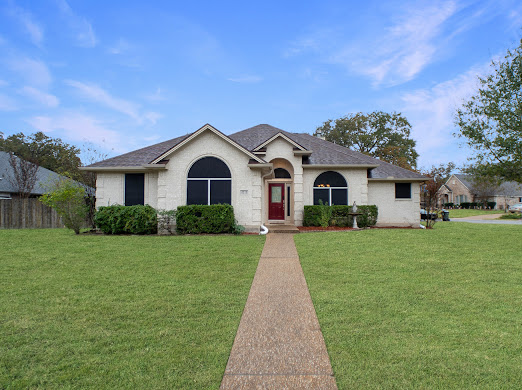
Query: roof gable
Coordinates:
[276,136]
[196,134]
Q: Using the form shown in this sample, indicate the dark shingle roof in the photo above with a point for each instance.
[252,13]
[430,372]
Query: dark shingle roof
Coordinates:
[323,152]
[141,156]
[509,188]
[44,178]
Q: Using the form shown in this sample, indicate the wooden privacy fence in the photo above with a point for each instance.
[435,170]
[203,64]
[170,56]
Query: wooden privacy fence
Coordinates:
[30,213]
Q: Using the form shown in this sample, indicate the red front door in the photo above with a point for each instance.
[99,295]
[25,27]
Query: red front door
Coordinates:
[276,201]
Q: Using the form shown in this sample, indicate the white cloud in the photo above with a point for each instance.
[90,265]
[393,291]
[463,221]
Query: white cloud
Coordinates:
[77,127]
[414,35]
[402,50]
[99,95]
[35,72]
[431,113]
[7,104]
[250,79]
[84,33]
[152,117]
[32,28]
[41,97]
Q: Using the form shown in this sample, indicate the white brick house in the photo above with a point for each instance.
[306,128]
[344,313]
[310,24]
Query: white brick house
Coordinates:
[267,174]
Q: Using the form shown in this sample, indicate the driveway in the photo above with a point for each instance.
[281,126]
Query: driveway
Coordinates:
[488,218]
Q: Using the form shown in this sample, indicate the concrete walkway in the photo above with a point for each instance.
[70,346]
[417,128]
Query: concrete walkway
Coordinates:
[279,344]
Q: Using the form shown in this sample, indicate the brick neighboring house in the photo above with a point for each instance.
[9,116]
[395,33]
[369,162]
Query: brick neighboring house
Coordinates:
[459,189]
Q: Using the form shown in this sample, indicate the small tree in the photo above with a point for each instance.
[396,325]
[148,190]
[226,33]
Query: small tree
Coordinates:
[25,174]
[483,188]
[23,178]
[68,198]
[430,189]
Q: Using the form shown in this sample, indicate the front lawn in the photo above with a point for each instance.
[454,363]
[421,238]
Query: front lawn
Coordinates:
[111,312]
[432,309]
[463,213]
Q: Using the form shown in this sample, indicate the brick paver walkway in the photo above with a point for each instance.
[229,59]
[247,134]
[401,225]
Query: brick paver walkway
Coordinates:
[279,344]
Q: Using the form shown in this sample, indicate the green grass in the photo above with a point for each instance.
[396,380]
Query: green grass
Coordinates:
[463,213]
[111,312]
[423,309]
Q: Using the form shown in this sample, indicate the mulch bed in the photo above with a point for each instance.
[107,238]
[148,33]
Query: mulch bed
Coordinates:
[323,229]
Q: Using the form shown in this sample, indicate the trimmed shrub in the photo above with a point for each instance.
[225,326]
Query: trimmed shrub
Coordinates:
[491,205]
[368,217]
[197,219]
[118,219]
[339,216]
[448,205]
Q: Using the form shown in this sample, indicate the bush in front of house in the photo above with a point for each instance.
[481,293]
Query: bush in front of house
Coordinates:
[197,219]
[322,215]
[139,219]
[448,205]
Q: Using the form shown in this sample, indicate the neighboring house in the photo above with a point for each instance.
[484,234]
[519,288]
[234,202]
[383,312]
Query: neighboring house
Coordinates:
[267,174]
[8,186]
[44,178]
[460,189]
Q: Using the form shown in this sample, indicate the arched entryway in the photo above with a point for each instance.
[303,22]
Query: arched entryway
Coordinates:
[280,192]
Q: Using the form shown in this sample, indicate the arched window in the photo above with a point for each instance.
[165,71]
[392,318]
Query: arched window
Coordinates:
[281,173]
[209,182]
[330,187]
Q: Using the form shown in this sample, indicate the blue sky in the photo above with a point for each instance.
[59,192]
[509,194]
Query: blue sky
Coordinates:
[126,74]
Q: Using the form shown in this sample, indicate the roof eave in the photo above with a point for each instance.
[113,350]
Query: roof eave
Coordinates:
[260,165]
[134,168]
[398,179]
[339,166]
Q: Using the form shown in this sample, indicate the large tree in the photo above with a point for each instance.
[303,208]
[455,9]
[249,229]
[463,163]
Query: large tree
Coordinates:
[47,152]
[491,120]
[378,134]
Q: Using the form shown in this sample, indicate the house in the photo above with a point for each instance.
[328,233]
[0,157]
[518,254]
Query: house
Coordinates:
[8,185]
[461,189]
[267,174]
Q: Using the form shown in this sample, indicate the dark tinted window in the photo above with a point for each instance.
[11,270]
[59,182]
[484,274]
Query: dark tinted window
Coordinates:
[402,190]
[331,179]
[220,191]
[339,197]
[209,167]
[197,192]
[321,194]
[281,173]
[134,189]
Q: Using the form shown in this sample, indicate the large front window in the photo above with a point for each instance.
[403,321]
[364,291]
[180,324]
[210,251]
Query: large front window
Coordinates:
[330,188]
[209,182]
